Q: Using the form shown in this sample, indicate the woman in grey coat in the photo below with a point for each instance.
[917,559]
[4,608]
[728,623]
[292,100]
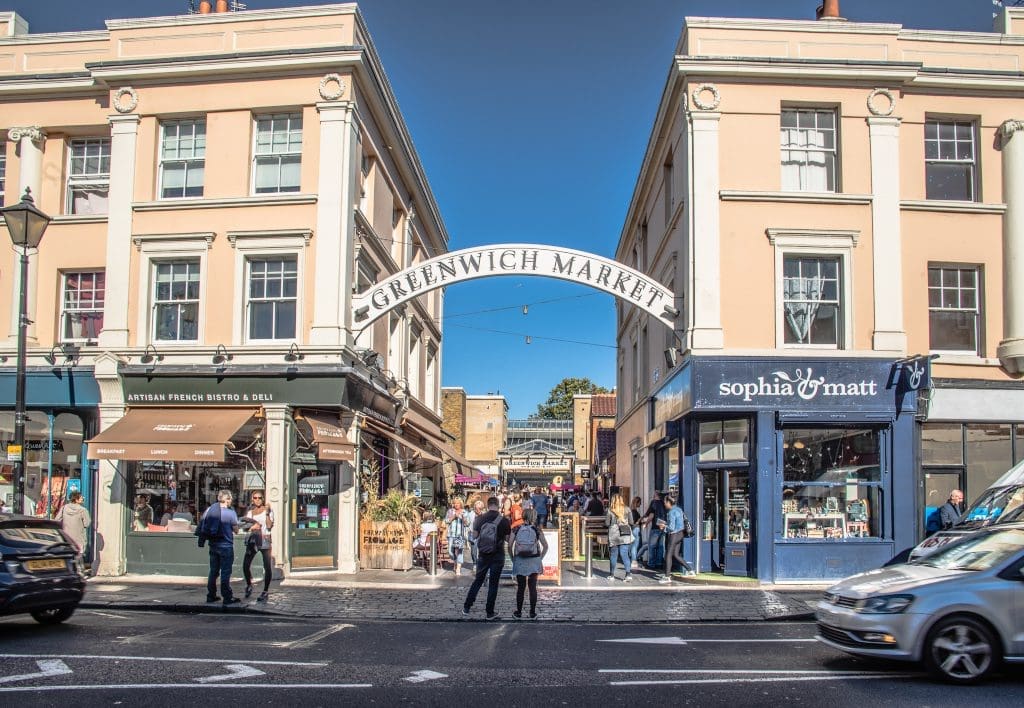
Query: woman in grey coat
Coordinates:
[526,567]
[74,520]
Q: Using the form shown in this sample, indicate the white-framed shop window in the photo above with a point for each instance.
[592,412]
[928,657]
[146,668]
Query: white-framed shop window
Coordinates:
[813,290]
[82,299]
[277,153]
[172,294]
[268,285]
[182,158]
[88,176]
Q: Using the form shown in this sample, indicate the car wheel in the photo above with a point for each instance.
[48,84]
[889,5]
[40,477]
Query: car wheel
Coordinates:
[53,616]
[961,649]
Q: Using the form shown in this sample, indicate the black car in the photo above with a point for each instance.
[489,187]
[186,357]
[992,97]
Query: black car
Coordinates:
[40,570]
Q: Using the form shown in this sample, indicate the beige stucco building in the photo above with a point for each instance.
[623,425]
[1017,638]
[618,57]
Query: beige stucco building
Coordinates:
[221,185]
[479,424]
[836,206]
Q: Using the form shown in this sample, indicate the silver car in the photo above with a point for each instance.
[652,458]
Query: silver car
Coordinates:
[960,611]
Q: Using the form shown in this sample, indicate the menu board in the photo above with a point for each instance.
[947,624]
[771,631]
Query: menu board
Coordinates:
[569,541]
[552,566]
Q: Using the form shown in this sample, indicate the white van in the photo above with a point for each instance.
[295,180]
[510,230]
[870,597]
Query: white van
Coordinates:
[1001,503]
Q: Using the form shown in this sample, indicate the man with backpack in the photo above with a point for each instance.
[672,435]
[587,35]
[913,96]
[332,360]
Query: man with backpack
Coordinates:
[217,528]
[490,532]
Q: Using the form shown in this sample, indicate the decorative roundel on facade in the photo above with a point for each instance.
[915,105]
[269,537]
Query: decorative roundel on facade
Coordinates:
[889,106]
[273,494]
[699,100]
[326,92]
[129,105]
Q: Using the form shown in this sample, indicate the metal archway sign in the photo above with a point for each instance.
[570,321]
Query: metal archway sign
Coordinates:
[515,259]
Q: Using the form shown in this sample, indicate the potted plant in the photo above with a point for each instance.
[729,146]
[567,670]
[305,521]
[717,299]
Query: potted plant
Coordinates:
[387,529]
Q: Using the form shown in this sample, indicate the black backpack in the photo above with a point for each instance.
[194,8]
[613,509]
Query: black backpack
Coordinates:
[487,542]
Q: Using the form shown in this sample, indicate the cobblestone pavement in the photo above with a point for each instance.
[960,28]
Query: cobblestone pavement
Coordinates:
[441,599]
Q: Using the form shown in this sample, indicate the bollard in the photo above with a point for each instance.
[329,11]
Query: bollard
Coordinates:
[588,558]
[433,554]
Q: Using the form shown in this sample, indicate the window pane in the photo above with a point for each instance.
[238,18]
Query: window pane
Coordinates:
[952,331]
[831,511]
[988,455]
[831,455]
[290,174]
[261,320]
[949,181]
[941,444]
[285,320]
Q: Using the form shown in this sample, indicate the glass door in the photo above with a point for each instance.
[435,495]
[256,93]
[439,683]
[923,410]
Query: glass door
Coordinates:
[314,518]
[737,504]
[938,483]
[710,522]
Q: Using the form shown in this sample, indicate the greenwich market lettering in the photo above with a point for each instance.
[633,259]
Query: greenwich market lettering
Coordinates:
[516,259]
[802,384]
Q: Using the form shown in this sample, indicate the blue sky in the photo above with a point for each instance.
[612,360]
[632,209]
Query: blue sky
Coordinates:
[531,119]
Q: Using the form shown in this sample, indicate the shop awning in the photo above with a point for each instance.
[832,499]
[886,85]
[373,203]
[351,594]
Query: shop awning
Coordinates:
[331,439]
[423,427]
[181,434]
[382,430]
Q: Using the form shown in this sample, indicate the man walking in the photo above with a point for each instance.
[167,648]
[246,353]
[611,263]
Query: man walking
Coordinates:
[540,505]
[674,524]
[220,522]
[655,516]
[950,512]
[490,531]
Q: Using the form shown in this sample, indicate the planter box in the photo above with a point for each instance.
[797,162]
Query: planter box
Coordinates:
[385,544]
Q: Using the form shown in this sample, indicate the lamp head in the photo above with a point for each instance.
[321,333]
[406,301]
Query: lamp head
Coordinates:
[25,222]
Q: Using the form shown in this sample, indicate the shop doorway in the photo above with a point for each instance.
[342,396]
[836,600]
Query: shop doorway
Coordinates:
[938,483]
[724,527]
[314,517]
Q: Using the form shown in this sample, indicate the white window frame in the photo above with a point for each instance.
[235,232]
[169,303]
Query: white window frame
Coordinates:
[189,162]
[170,247]
[266,244]
[979,310]
[255,157]
[3,171]
[823,243]
[93,180]
[431,380]
[414,375]
[64,310]
[834,150]
[973,162]
[366,276]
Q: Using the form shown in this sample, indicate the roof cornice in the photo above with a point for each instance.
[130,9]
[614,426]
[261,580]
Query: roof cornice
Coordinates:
[815,26]
[48,83]
[222,17]
[803,69]
[215,64]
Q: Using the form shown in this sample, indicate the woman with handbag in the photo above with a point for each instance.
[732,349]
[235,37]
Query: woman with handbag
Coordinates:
[258,541]
[456,521]
[620,538]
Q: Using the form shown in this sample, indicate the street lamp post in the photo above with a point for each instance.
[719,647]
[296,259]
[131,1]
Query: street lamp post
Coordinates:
[26,223]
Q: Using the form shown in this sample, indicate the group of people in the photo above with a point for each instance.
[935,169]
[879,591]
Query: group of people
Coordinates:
[217,528]
[667,527]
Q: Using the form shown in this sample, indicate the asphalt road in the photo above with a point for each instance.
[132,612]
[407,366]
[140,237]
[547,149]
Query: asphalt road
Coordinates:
[153,659]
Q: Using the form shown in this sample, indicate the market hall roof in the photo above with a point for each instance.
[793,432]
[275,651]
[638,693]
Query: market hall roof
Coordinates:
[535,447]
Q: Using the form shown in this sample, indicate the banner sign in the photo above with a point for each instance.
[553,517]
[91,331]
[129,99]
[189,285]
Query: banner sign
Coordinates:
[552,567]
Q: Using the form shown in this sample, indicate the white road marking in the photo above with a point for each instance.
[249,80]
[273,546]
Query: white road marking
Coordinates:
[106,614]
[310,640]
[237,671]
[679,641]
[766,679]
[756,672]
[424,675]
[164,658]
[148,686]
[47,667]
[148,636]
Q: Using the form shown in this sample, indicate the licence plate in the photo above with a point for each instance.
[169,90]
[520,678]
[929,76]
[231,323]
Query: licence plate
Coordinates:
[48,564]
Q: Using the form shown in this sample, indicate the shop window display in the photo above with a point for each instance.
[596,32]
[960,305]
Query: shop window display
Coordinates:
[165,492]
[832,483]
[53,457]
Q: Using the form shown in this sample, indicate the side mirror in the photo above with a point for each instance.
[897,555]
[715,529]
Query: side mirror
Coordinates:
[1020,573]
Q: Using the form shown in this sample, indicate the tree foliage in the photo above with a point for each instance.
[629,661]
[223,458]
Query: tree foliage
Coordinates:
[559,403]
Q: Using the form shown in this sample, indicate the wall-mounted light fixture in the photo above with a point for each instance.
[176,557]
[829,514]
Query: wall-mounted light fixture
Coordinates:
[150,354]
[221,354]
[69,351]
[293,353]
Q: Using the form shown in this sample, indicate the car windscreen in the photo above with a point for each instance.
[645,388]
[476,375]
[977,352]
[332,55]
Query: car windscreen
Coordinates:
[32,538]
[997,505]
[978,552]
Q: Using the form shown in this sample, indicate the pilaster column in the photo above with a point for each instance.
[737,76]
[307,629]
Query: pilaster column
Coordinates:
[30,149]
[706,331]
[112,497]
[337,192]
[276,437]
[889,333]
[348,504]
[1011,348]
[124,131]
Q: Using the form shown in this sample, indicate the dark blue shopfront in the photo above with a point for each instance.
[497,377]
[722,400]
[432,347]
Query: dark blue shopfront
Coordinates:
[61,407]
[793,469]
